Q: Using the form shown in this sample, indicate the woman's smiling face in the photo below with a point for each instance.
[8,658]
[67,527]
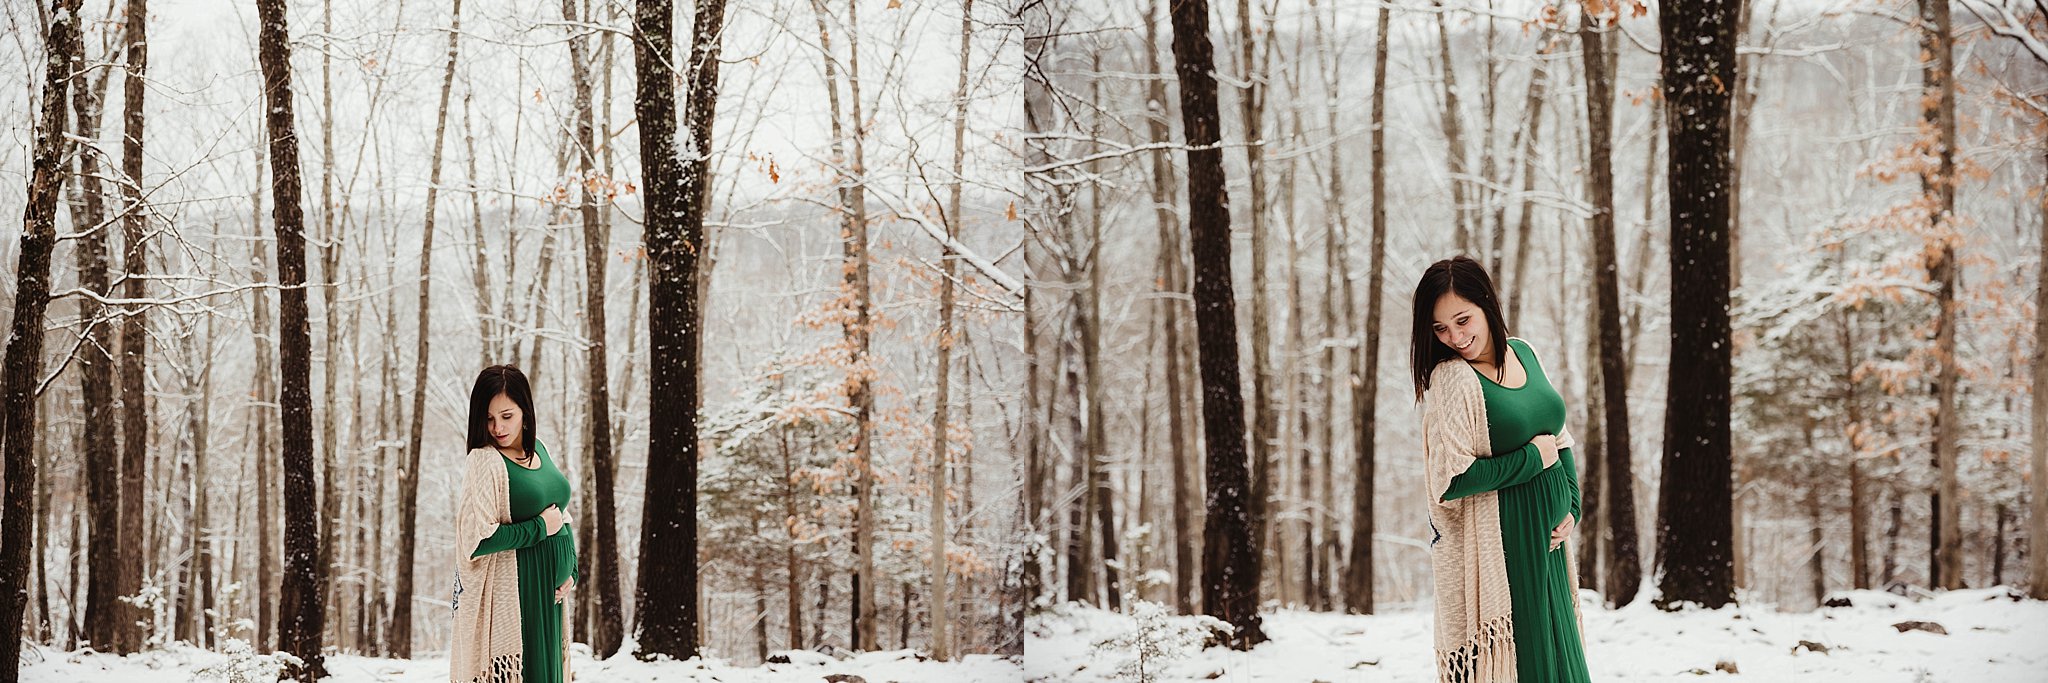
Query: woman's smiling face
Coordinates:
[1460,325]
[505,422]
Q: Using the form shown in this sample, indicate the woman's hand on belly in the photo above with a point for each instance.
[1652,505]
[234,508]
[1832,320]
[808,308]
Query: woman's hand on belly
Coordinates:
[563,591]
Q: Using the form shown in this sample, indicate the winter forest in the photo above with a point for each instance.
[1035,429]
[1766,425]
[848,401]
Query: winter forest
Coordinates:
[285,237]
[1002,340]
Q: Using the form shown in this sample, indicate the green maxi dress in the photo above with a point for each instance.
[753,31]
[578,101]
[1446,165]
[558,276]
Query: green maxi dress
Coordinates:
[1533,500]
[544,561]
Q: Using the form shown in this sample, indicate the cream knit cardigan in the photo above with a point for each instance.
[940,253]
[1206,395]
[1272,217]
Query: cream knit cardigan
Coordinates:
[1475,633]
[486,644]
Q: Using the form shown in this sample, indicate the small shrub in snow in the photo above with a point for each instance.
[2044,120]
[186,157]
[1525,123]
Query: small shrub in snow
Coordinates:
[243,665]
[1156,638]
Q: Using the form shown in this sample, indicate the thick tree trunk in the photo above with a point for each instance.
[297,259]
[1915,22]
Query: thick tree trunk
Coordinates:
[674,234]
[1623,573]
[1694,528]
[1358,570]
[24,359]
[1230,558]
[302,606]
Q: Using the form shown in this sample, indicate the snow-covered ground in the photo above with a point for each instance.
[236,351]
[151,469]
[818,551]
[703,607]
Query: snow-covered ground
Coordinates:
[180,663]
[1990,639]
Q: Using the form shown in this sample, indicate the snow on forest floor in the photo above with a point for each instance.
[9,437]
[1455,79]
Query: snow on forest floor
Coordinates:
[1990,639]
[183,663]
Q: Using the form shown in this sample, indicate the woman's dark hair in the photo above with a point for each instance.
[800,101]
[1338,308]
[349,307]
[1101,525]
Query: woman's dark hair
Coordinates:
[494,380]
[1464,277]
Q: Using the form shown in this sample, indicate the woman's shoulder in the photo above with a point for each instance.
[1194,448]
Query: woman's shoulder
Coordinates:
[1527,348]
[1449,375]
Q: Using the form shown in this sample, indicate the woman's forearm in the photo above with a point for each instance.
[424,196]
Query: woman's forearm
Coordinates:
[513,537]
[1498,472]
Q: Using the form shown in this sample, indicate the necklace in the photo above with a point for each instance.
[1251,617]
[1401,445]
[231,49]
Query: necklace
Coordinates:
[523,458]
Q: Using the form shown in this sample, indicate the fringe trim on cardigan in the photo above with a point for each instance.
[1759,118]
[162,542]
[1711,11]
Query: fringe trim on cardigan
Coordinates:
[1489,656]
[503,669]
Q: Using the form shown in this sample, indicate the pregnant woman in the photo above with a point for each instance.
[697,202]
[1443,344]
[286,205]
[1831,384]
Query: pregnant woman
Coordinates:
[517,557]
[1503,489]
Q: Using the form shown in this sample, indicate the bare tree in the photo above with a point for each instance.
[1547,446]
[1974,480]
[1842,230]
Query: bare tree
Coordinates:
[942,647]
[666,600]
[103,614]
[1694,529]
[63,59]
[1358,570]
[603,547]
[400,642]
[1938,111]
[1230,557]
[302,606]
[1623,573]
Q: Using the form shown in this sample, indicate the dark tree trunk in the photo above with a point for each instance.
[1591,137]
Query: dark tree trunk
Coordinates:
[24,359]
[1358,569]
[301,606]
[134,343]
[666,600]
[1623,573]
[104,552]
[1694,527]
[1230,558]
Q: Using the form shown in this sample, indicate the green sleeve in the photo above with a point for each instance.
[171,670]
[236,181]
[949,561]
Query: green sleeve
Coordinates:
[1498,472]
[568,556]
[1568,459]
[513,537]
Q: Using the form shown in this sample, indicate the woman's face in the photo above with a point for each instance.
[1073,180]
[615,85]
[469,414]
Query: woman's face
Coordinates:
[1460,325]
[505,421]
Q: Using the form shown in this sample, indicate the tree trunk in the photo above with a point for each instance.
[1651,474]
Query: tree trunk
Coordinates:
[1623,573]
[942,648]
[1167,219]
[102,467]
[330,265]
[203,552]
[265,454]
[608,631]
[1230,560]
[24,359]
[1694,528]
[2037,524]
[301,604]
[400,644]
[674,234]
[1531,141]
[1452,122]
[1859,505]
[133,342]
[1938,95]
[1358,570]
[1265,427]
